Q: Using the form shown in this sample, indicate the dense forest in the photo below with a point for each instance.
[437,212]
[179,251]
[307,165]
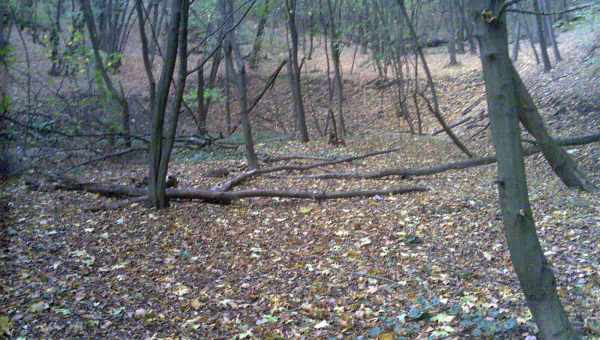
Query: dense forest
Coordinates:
[273,169]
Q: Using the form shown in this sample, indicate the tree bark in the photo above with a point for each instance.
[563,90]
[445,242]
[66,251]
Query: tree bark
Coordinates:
[532,268]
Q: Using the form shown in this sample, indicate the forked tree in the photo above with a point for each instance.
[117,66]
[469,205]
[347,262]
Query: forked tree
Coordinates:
[503,96]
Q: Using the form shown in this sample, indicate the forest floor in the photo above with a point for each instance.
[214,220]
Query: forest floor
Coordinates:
[420,265]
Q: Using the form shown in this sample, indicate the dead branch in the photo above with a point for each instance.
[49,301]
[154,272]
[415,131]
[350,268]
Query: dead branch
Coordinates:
[274,159]
[406,172]
[246,175]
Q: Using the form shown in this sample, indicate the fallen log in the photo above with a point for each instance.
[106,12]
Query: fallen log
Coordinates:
[217,197]
[407,172]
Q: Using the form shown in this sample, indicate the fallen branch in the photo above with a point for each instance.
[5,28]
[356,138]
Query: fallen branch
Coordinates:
[404,173]
[246,175]
[218,197]
[274,159]
[452,126]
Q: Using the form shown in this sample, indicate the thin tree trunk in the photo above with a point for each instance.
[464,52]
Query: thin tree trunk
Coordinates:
[550,30]
[175,103]
[241,82]
[532,268]
[542,36]
[294,72]
[335,56]
[260,30]
[4,81]
[146,50]
[517,42]
[55,57]
[451,33]
[531,39]
[156,194]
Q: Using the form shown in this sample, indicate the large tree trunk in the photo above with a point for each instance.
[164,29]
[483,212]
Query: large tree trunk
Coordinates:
[294,72]
[542,36]
[532,268]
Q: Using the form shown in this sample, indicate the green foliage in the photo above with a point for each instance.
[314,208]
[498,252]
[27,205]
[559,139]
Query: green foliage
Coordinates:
[5,103]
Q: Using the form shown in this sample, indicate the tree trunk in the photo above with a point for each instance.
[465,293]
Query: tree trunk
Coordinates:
[517,42]
[156,185]
[4,81]
[260,30]
[450,22]
[542,36]
[550,30]
[335,56]
[531,39]
[55,57]
[294,72]
[532,268]
[231,47]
